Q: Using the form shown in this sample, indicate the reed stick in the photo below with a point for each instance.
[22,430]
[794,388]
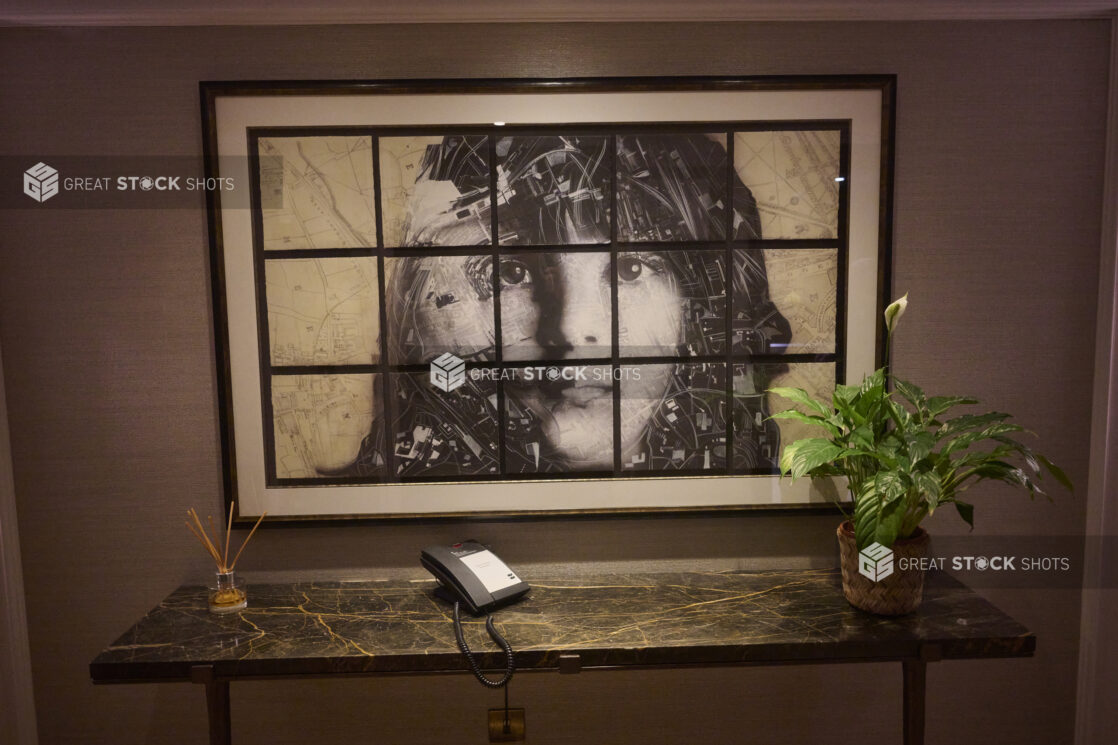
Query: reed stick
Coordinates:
[211,544]
[208,543]
[205,534]
[228,532]
[201,530]
[245,543]
[201,540]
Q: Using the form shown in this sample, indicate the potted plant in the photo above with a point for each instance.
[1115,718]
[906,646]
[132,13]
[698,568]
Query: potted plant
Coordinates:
[903,456]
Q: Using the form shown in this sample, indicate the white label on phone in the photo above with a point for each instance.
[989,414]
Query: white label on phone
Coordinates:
[492,572]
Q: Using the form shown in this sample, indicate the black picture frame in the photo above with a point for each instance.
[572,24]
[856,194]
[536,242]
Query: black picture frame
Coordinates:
[311,109]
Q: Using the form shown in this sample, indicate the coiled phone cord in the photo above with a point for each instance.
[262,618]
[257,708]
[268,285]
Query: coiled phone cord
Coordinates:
[510,666]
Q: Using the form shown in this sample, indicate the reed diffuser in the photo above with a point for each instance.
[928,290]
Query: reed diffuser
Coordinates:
[228,593]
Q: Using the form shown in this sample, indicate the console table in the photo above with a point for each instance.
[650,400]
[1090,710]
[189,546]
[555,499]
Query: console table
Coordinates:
[630,621]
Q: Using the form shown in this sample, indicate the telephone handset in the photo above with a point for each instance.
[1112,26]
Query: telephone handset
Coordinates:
[470,574]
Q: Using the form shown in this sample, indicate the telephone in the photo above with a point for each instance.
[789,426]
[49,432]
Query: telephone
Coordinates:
[470,574]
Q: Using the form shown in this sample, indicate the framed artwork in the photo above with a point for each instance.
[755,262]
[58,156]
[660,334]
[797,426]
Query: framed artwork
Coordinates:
[445,298]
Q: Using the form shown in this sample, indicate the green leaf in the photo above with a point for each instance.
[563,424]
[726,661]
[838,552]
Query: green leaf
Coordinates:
[846,392]
[866,507]
[888,452]
[979,457]
[911,393]
[879,512]
[802,397]
[966,511]
[899,414]
[874,383]
[1007,472]
[845,413]
[1056,471]
[817,421]
[862,437]
[889,522]
[803,456]
[928,486]
[919,445]
[993,432]
[940,404]
[891,484]
[966,422]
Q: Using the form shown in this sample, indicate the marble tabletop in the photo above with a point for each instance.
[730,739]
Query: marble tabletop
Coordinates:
[615,620]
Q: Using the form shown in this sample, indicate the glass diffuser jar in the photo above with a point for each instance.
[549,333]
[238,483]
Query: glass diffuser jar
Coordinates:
[227,594]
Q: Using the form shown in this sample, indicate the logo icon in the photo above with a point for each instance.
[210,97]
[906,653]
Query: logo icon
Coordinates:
[448,372]
[40,182]
[875,562]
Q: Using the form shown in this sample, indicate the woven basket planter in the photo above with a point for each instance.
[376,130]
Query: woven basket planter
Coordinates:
[900,592]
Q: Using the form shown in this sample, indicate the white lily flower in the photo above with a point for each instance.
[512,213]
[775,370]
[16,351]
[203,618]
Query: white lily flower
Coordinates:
[894,312]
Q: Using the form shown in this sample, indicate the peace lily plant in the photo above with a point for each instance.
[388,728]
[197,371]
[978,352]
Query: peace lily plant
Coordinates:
[901,453]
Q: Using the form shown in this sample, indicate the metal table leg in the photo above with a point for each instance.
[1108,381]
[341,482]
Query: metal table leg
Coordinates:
[914,689]
[217,703]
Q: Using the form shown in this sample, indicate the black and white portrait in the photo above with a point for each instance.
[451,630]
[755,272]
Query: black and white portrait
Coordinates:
[604,293]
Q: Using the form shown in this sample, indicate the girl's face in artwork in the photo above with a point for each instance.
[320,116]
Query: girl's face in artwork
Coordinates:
[557,308]
[556,313]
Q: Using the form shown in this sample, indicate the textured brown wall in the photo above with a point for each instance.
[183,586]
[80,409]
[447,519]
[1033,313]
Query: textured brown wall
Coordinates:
[106,331]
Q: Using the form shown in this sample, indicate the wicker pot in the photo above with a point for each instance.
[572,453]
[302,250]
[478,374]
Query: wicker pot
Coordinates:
[895,594]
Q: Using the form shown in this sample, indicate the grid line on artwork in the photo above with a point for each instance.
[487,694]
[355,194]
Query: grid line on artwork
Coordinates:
[728,324]
[494,232]
[569,188]
[581,361]
[385,453]
[615,315]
